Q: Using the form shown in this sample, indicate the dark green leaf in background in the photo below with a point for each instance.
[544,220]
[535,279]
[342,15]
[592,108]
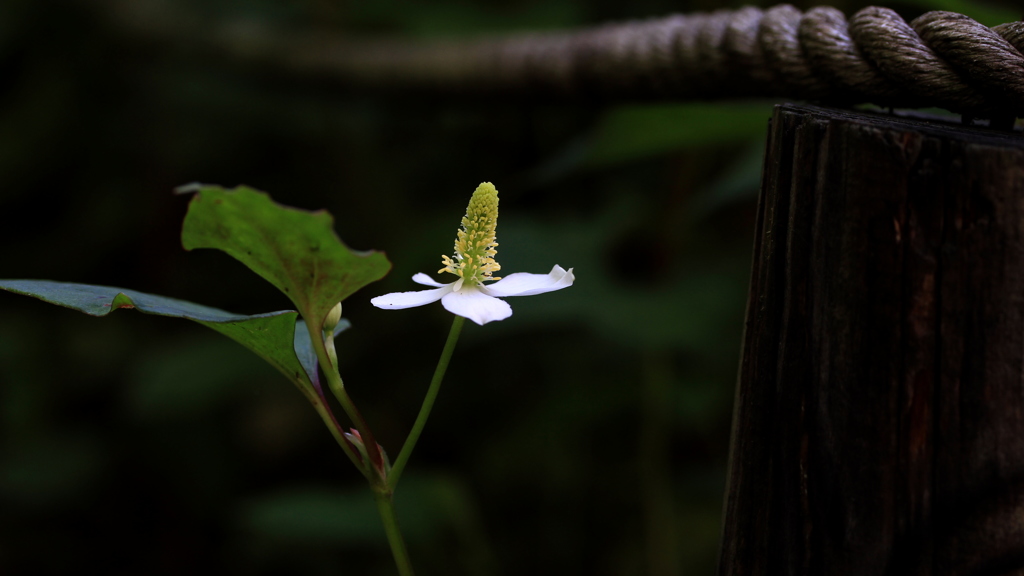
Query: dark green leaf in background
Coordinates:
[987,14]
[632,133]
[629,132]
[295,250]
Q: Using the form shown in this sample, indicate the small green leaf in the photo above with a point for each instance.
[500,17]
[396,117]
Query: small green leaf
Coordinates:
[295,250]
[271,336]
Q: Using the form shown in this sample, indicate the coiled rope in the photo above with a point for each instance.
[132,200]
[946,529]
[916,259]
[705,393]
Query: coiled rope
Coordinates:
[941,59]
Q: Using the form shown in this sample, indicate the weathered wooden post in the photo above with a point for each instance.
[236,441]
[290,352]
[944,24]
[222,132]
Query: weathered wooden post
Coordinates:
[879,424]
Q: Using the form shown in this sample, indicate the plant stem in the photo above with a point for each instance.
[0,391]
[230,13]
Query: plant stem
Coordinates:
[325,414]
[428,403]
[386,507]
[329,368]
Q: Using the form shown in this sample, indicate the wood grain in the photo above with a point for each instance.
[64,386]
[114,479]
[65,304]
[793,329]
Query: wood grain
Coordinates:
[879,419]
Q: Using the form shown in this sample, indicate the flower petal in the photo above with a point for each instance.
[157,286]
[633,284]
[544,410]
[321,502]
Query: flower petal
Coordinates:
[472,303]
[399,300]
[421,278]
[523,284]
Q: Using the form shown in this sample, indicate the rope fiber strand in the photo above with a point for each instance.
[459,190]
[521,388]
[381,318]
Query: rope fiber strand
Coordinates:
[941,59]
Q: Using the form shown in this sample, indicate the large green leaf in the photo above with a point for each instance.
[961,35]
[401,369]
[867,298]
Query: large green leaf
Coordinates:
[271,336]
[295,250]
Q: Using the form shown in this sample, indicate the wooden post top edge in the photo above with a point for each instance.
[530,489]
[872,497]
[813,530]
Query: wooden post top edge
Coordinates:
[931,124]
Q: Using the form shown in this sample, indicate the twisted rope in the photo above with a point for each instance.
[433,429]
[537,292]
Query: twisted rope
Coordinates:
[941,59]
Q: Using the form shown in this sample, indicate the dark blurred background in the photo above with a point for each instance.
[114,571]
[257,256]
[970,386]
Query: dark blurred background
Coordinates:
[588,434]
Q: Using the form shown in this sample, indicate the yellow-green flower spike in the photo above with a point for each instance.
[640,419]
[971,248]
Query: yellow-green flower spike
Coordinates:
[475,244]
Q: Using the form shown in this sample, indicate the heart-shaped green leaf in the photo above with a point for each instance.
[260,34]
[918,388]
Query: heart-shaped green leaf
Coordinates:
[272,336]
[295,250]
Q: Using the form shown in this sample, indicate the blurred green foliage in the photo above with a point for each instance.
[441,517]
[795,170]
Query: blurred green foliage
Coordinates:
[565,438]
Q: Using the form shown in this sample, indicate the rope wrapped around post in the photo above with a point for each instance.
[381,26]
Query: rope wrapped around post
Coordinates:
[941,59]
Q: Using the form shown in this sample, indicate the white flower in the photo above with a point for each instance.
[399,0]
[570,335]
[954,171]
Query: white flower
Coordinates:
[477,302]
[474,263]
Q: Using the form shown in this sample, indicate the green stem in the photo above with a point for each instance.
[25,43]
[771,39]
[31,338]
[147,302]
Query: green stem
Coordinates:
[337,432]
[428,403]
[386,507]
[329,368]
